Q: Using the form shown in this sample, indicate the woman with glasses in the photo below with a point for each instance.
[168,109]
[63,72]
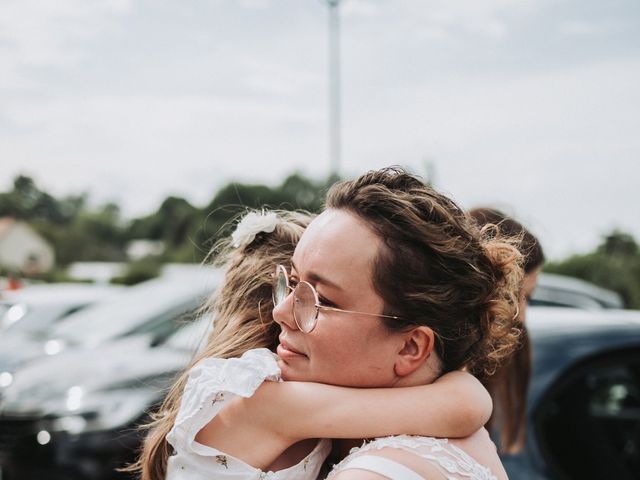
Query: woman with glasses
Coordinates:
[245,328]
[345,323]
[393,285]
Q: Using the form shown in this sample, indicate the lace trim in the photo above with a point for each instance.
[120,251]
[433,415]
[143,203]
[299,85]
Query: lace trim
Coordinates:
[454,462]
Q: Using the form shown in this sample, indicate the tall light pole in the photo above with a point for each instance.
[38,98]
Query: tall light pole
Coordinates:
[334,86]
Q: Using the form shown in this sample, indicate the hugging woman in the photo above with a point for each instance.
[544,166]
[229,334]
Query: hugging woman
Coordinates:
[392,288]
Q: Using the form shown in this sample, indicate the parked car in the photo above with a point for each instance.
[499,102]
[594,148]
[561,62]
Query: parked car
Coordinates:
[76,415]
[584,402]
[33,309]
[155,307]
[562,291]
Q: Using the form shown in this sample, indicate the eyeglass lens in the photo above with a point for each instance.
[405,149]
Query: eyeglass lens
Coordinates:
[304,300]
[280,289]
[304,307]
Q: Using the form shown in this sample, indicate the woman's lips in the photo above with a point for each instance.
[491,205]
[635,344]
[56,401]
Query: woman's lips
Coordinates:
[285,351]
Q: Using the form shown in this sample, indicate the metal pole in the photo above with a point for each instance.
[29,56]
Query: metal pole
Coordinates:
[334,86]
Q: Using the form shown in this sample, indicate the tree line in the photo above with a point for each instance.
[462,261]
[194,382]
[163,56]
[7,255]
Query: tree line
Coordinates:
[79,232]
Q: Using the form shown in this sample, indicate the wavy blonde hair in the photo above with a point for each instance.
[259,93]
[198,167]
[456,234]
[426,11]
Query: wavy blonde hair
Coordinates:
[241,309]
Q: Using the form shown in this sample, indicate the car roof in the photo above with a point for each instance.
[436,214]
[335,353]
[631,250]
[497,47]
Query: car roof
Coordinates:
[565,291]
[57,293]
[137,305]
[549,321]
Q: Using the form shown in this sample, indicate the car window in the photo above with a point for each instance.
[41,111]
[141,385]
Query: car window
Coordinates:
[191,337]
[161,327]
[562,291]
[3,309]
[588,426]
[130,312]
[544,296]
[38,318]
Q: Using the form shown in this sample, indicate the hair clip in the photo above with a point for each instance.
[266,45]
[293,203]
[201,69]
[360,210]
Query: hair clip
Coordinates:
[252,224]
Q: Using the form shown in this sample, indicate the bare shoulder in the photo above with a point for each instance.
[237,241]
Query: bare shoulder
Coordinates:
[481,448]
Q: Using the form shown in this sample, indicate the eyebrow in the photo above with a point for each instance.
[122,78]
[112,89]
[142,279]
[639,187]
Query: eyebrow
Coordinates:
[319,279]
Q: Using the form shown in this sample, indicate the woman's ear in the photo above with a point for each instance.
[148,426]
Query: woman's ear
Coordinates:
[415,350]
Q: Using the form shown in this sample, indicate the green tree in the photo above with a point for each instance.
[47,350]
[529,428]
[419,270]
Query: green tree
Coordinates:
[79,232]
[615,264]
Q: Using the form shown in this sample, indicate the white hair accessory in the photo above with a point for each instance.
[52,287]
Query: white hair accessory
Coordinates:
[252,224]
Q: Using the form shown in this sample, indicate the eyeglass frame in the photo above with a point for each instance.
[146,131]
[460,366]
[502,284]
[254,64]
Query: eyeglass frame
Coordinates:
[317,304]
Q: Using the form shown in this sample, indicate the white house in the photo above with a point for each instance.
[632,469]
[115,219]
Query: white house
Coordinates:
[23,249]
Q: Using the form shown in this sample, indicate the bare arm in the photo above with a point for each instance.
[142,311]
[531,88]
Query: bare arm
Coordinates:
[280,414]
[454,406]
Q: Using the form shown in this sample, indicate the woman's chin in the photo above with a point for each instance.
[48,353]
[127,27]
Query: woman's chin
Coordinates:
[287,372]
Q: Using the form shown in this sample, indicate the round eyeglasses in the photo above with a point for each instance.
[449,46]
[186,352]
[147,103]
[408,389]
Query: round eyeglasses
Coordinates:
[306,304]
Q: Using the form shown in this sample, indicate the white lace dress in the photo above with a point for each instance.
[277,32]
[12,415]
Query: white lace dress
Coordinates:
[454,463]
[212,383]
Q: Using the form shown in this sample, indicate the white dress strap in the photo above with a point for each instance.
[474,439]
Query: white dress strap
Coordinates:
[450,460]
[382,466]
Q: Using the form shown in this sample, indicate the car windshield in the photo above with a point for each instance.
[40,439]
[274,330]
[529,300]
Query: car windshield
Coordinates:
[37,318]
[133,308]
[192,336]
[561,291]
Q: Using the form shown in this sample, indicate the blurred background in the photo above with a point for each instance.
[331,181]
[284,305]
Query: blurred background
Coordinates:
[131,132]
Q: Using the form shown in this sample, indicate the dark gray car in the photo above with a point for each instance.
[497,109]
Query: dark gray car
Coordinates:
[155,307]
[584,402]
[76,415]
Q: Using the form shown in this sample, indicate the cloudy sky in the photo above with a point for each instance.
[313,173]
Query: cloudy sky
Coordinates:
[529,105]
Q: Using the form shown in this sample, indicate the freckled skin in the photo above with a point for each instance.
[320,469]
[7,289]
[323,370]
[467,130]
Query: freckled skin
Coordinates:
[343,349]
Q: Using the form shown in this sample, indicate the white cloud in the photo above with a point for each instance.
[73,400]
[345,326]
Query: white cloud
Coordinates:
[136,141]
[141,100]
[488,18]
[256,4]
[277,78]
[581,28]
[45,34]
[359,8]
[549,144]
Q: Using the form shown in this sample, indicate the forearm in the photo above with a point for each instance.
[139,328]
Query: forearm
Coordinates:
[455,406]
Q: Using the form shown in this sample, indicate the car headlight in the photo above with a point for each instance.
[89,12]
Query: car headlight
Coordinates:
[11,316]
[102,410]
[54,346]
[6,379]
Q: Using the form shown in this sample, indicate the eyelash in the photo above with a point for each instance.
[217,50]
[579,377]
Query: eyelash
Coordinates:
[293,281]
[324,302]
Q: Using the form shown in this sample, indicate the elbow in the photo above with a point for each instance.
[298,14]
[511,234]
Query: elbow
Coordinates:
[473,413]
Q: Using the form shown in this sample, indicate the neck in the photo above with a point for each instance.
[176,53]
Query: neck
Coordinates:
[427,373]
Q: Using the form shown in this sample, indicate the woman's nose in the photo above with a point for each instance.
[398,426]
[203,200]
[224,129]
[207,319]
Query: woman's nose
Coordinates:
[283,313]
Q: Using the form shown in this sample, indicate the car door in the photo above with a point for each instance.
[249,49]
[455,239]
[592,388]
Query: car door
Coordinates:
[588,423]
